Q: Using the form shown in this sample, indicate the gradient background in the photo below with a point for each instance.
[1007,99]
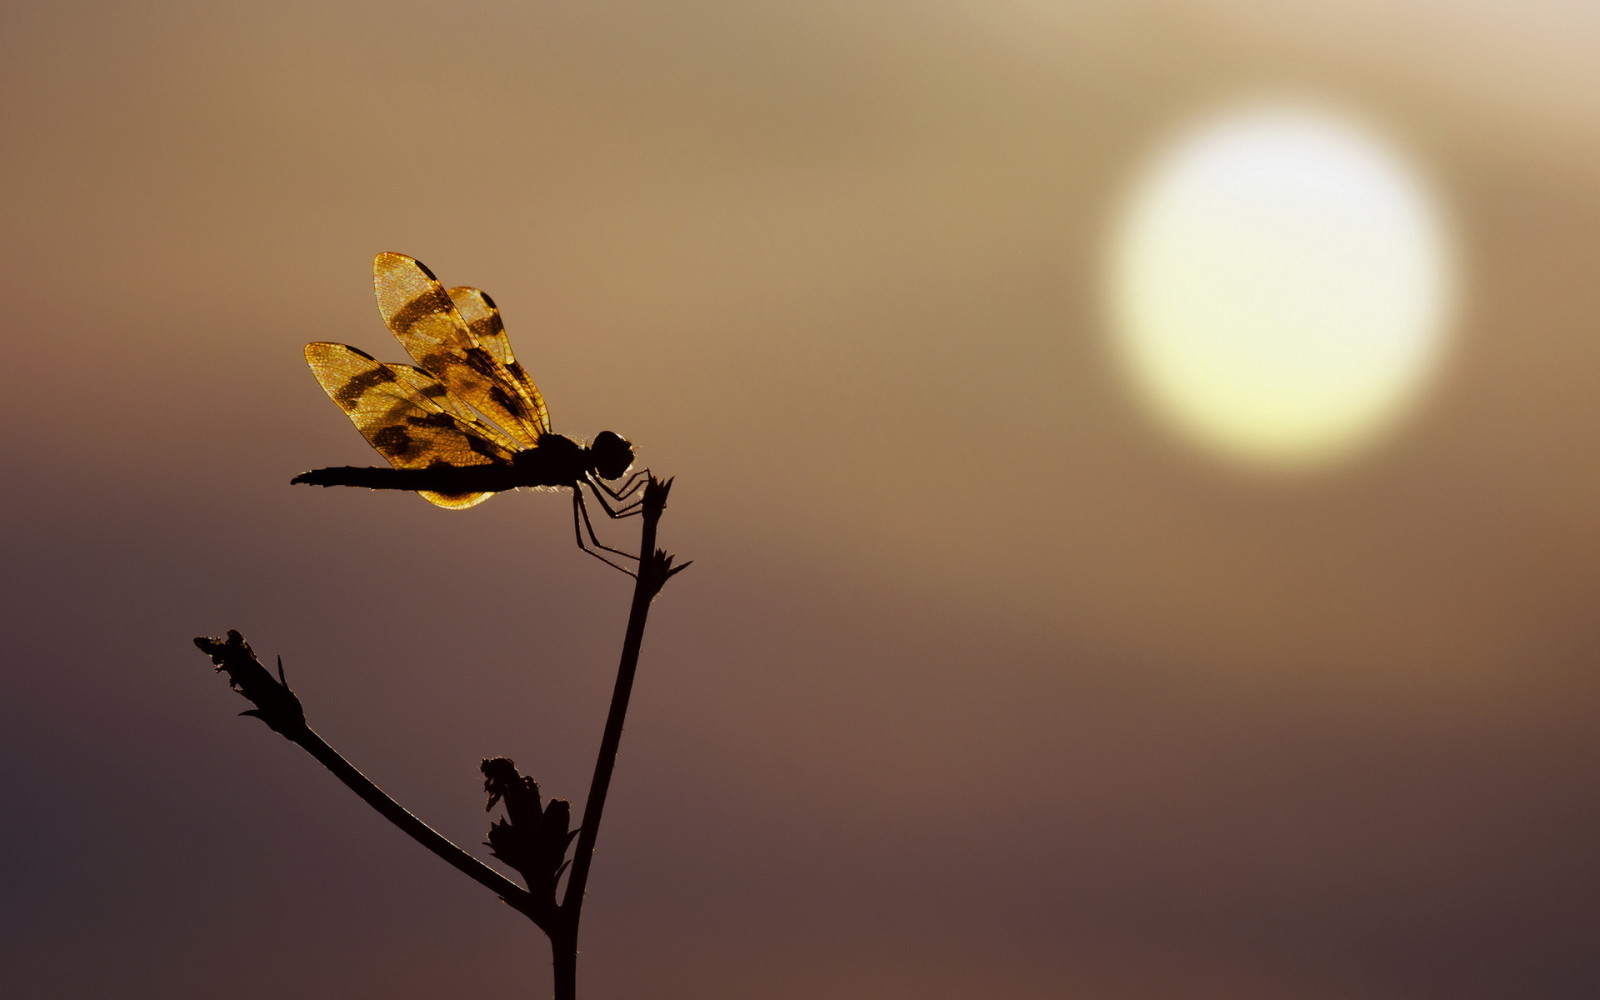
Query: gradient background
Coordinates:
[982,686]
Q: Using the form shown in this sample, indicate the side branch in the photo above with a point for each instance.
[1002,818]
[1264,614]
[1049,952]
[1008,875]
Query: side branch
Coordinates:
[279,708]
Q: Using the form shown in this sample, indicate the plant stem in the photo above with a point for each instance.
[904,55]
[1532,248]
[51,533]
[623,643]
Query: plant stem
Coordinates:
[655,567]
[564,953]
[278,707]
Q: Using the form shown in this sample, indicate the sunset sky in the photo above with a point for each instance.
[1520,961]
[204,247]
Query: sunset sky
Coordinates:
[988,681]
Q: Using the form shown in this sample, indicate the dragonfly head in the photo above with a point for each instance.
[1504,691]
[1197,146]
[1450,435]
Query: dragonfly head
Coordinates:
[613,455]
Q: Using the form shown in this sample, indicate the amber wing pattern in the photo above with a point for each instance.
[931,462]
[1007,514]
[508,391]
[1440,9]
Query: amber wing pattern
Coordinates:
[457,337]
[407,416]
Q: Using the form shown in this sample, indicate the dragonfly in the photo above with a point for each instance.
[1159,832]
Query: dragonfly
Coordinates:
[465,422]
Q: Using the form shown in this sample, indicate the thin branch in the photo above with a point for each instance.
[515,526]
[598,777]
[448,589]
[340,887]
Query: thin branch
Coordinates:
[280,709]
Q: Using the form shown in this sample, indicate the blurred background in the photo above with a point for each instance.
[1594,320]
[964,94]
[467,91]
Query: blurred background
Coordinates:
[990,680]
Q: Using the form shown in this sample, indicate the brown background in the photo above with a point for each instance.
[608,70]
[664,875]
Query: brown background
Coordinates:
[981,687]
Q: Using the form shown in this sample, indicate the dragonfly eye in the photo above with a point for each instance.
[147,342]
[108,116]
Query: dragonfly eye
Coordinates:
[612,455]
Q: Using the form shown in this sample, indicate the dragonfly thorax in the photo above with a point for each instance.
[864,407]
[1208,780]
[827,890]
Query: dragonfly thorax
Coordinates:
[560,461]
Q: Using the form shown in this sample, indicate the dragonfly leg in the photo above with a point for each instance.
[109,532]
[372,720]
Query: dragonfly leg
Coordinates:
[630,484]
[629,509]
[583,509]
[580,520]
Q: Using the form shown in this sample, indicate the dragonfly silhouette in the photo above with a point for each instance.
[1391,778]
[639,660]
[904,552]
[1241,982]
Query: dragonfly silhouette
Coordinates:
[429,420]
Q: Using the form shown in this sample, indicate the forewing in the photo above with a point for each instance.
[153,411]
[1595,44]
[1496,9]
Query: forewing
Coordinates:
[405,416]
[421,315]
[483,320]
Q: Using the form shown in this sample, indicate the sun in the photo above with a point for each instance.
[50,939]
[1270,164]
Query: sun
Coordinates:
[1279,284]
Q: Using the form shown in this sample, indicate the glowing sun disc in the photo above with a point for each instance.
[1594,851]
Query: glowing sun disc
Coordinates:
[1279,283]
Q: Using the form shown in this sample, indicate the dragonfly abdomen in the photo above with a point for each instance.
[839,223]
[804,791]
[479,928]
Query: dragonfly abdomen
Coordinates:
[449,479]
[557,461]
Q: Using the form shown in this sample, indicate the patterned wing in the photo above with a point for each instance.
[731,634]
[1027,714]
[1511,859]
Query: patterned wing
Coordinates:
[433,392]
[483,319]
[420,313]
[407,416]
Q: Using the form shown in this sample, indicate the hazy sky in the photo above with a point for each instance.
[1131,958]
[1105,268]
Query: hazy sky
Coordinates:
[984,685]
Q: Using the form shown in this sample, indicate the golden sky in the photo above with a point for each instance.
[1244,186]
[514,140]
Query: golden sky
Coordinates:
[983,685]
